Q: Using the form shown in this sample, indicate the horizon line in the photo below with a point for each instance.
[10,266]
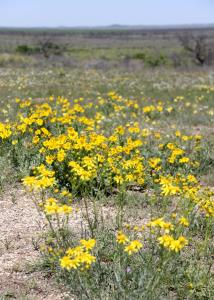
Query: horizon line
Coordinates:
[111,26]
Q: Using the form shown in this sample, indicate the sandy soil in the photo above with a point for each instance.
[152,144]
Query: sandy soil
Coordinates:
[20,226]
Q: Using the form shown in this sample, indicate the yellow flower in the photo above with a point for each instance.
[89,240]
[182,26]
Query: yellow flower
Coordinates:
[122,238]
[184,160]
[153,162]
[79,257]
[14,142]
[165,240]
[61,155]
[170,189]
[174,245]
[49,159]
[177,245]
[178,133]
[183,221]
[86,258]
[64,193]
[88,244]
[185,138]
[65,209]
[133,247]
[5,131]
[169,109]
[67,263]
[118,179]
[191,178]
[29,180]
[51,206]
[170,146]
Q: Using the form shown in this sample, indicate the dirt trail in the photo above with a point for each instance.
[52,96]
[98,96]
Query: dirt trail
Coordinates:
[20,224]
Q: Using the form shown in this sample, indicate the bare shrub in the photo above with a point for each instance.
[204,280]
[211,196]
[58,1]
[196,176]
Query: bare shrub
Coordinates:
[198,48]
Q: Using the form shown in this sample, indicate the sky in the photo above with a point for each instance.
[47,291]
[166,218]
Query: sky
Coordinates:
[53,13]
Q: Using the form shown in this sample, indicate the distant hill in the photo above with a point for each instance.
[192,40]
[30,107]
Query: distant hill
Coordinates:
[141,27]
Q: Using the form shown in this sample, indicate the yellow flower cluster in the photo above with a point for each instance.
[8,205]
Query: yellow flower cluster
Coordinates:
[130,246]
[79,257]
[166,226]
[133,247]
[162,227]
[204,199]
[173,244]
[169,186]
[80,151]
[44,178]
[52,206]
[5,131]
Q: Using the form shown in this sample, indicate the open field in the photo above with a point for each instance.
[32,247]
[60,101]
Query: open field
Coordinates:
[107,48]
[107,165]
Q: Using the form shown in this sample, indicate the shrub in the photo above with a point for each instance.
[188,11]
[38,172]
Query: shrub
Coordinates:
[25,49]
[152,59]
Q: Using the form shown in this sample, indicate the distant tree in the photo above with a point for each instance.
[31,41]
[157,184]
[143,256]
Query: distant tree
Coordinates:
[45,45]
[198,47]
[48,45]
